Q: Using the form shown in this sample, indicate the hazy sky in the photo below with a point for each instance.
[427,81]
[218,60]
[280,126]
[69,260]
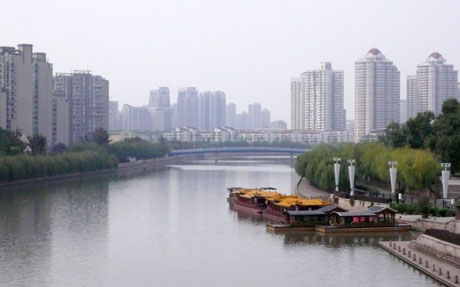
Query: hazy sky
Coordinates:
[249,49]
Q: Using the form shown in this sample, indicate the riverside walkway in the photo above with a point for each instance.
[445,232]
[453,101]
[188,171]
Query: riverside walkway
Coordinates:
[443,271]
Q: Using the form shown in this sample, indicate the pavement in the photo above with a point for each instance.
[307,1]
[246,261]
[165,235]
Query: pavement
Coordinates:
[305,189]
[414,218]
[443,271]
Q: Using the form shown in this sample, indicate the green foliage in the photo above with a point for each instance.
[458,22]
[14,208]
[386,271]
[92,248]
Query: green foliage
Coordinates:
[99,136]
[37,144]
[137,148]
[11,143]
[417,169]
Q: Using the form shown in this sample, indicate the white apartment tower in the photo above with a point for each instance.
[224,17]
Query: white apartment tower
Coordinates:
[377,93]
[436,82]
[187,107]
[317,100]
[161,114]
[412,102]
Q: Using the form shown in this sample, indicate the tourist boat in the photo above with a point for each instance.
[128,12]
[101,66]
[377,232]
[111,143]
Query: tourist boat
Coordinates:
[270,204]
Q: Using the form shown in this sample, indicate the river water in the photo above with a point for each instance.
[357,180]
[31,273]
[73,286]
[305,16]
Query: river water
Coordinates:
[173,227]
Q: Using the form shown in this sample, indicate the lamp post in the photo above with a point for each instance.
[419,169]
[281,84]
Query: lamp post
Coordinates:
[393,172]
[445,180]
[351,173]
[337,172]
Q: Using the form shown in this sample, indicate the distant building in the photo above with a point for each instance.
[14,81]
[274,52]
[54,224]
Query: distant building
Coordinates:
[230,115]
[265,118]
[254,113]
[242,121]
[159,98]
[278,125]
[115,120]
[88,99]
[135,118]
[161,114]
[317,100]
[211,110]
[377,93]
[436,82]
[26,91]
[403,114]
[187,107]
[412,100]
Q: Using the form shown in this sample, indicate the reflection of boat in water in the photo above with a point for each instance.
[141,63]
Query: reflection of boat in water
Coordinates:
[270,204]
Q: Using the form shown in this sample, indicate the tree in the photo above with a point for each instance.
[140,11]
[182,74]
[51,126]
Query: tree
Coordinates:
[445,139]
[11,143]
[394,135]
[419,129]
[37,144]
[59,148]
[100,136]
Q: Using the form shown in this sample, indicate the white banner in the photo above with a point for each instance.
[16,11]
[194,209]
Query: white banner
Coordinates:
[337,174]
[393,172]
[351,172]
[445,182]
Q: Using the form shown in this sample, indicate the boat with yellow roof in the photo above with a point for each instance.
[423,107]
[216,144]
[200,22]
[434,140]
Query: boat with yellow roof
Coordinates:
[269,203]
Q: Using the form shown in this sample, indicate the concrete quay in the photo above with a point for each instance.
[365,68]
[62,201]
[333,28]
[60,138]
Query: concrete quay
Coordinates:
[445,272]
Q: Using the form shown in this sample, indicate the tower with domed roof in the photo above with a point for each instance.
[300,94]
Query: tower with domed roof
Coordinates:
[436,82]
[377,94]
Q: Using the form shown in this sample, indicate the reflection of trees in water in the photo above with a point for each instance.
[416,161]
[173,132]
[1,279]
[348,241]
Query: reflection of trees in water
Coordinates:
[338,240]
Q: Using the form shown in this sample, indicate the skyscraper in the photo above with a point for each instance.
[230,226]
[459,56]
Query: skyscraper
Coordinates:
[88,99]
[297,105]
[187,107]
[161,114]
[211,110]
[254,112]
[135,118]
[436,82]
[377,93]
[265,118]
[115,122]
[230,115]
[412,100]
[403,111]
[317,100]
[159,98]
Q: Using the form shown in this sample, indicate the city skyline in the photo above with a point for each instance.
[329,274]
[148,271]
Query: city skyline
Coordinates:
[255,56]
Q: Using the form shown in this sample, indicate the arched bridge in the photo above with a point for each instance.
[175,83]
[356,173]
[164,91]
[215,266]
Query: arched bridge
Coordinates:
[280,150]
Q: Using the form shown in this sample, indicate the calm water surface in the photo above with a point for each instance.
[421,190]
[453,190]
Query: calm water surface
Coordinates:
[173,228]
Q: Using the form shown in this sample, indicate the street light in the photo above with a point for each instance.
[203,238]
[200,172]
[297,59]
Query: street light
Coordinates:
[351,173]
[445,179]
[337,172]
[393,172]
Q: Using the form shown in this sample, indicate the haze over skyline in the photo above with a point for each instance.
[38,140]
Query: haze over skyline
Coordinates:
[248,49]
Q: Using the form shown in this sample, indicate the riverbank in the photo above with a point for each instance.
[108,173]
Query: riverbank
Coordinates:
[127,168]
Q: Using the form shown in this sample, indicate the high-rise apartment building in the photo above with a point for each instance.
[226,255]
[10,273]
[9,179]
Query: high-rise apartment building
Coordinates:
[211,110]
[317,100]
[230,115]
[26,91]
[403,112]
[161,114]
[88,99]
[242,121]
[436,82]
[412,100]
[135,118]
[115,120]
[377,94]
[254,113]
[159,98]
[297,105]
[187,107]
[265,119]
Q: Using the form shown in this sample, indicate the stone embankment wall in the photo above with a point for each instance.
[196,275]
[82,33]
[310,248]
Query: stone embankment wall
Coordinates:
[127,168]
[422,224]
[436,247]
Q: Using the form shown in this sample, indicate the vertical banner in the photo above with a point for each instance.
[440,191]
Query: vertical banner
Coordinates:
[393,172]
[351,172]
[445,182]
[337,174]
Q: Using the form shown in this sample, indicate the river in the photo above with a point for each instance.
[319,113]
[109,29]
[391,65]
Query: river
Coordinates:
[173,227]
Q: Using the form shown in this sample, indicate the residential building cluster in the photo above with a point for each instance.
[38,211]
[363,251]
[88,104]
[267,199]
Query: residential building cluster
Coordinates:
[203,111]
[64,108]
[317,96]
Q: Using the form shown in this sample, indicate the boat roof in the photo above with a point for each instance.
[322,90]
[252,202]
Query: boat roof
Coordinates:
[378,208]
[287,202]
[305,212]
[366,213]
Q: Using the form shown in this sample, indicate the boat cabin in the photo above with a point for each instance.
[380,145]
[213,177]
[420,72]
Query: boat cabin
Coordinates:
[372,217]
[311,217]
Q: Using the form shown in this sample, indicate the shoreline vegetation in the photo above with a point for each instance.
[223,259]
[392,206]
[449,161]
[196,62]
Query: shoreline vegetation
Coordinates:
[19,160]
